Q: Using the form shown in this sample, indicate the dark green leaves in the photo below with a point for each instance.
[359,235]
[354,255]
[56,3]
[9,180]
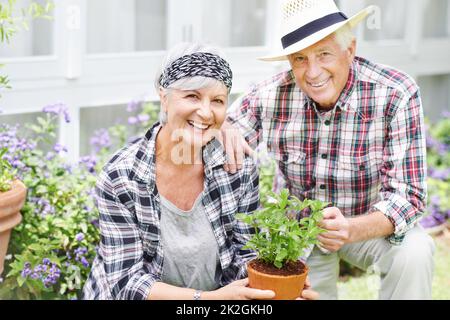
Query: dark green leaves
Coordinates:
[280,237]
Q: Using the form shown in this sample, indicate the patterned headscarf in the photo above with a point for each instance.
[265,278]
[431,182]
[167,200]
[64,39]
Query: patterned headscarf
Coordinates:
[198,64]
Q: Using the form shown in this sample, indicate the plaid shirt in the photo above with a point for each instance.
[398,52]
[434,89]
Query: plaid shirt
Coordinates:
[367,154]
[131,256]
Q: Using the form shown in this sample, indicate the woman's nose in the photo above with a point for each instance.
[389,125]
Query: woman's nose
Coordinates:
[204,110]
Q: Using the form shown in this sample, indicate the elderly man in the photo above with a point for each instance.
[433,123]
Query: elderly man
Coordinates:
[349,132]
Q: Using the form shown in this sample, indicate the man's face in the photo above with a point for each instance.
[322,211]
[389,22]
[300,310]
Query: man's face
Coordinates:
[322,70]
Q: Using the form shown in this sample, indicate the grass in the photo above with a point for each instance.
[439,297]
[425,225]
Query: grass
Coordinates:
[365,287]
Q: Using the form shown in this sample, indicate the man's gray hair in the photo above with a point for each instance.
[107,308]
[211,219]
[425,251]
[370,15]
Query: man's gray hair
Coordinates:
[192,83]
[344,36]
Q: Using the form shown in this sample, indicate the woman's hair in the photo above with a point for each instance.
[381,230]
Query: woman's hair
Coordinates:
[344,36]
[190,83]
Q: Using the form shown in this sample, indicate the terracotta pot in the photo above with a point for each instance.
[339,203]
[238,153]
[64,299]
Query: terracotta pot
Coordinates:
[11,202]
[285,287]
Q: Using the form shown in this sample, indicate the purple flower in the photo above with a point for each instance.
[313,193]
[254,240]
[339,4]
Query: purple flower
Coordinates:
[58,109]
[50,156]
[46,261]
[95,223]
[58,148]
[142,118]
[89,162]
[439,174]
[84,262]
[133,105]
[79,237]
[132,120]
[100,140]
[25,272]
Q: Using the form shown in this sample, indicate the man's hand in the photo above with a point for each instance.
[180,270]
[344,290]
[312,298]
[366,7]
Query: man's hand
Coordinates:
[235,147]
[338,230]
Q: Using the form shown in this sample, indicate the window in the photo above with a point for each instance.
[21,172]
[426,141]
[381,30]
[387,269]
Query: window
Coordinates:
[393,20]
[435,95]
[234,23]
[436,19]
[37,41]
[116,26]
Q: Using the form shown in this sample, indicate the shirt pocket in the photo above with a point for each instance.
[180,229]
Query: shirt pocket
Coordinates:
[358,174]
[293,165]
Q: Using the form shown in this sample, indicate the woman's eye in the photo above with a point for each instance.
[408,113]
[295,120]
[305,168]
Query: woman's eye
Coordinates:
[192,96]
[219,101]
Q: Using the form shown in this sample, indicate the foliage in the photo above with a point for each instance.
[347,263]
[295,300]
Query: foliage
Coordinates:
[52,249]
[438,159]
[280,237]
[7,173]
[11,23]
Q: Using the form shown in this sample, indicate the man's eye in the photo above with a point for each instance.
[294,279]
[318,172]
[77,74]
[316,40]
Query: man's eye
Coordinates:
[192,96]
[299,59]
[219,101]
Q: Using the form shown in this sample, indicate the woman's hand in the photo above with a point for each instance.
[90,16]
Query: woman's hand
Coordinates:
[238,290]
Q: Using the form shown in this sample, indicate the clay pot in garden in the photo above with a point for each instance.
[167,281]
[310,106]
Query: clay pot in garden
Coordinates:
[287,282]
[11,202]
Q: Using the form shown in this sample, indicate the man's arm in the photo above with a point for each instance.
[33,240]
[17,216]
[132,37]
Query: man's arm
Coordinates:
[242,130]
[342,230]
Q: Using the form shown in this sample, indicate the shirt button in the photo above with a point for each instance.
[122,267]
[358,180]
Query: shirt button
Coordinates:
[362,167]
[322,187]
[324,156]
[327,122]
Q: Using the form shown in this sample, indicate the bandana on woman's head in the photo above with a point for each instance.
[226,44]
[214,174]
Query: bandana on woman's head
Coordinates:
[198,64]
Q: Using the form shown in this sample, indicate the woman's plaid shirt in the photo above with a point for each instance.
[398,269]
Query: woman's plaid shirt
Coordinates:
[368,154]
[131,256]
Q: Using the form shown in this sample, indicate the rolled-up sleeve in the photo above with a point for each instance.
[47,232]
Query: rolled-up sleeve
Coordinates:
[403,191]
[121,247]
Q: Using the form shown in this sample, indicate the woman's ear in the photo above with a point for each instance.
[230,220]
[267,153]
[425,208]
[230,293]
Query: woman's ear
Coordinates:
[163,98]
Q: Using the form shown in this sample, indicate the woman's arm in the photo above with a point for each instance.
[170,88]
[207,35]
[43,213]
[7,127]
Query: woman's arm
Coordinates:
[236,290]
[121,247]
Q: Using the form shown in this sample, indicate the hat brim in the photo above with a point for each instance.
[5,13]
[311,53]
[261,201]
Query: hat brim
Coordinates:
[316,37]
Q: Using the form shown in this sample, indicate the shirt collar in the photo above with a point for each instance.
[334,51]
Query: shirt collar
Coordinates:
[344,99]
[144,166]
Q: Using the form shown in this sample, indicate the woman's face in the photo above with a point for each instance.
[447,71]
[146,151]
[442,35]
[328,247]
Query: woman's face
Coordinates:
[194,116]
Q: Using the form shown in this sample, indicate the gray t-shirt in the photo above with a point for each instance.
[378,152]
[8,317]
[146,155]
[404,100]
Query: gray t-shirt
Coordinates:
[191,252]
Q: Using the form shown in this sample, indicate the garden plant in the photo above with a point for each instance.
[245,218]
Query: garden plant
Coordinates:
[280,240]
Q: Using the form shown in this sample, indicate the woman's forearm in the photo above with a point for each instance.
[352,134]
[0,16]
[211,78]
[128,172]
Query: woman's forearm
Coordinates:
[164,291]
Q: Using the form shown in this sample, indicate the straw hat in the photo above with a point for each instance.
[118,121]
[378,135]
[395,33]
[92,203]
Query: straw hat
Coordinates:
[306,22]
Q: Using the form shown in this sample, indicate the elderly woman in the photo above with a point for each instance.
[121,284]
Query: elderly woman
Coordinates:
[167,206]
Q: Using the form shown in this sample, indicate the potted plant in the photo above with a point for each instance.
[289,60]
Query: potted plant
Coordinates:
[12,198]
[280,240]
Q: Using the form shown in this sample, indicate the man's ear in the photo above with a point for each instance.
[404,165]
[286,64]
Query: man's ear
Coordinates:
[351,50]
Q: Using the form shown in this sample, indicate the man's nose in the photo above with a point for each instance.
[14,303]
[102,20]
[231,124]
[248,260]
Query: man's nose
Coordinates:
[313,71]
